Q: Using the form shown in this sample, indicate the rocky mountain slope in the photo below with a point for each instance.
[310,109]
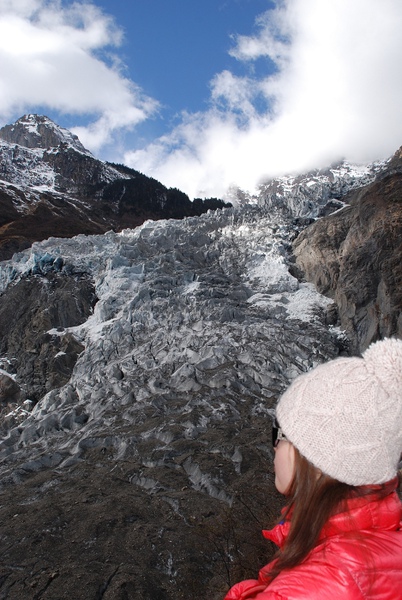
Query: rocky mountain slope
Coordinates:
[50,185]
[320,192]
[354,256]
[139,370]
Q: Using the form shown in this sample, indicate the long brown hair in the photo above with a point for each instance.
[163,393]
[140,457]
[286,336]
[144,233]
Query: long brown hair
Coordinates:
[312,499]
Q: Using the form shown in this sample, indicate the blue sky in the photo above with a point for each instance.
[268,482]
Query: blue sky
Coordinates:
[207,95]
[174,48]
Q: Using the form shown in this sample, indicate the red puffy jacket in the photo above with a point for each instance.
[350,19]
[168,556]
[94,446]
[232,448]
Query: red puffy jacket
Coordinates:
[358,557]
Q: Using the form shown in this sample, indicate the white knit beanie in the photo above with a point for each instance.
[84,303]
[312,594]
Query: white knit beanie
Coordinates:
[345,416]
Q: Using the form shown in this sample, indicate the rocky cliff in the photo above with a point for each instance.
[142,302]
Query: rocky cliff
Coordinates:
[354,256]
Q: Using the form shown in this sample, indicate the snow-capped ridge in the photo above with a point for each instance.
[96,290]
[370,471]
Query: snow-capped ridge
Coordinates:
[312,194]
[38,131]
[24,167]
[50,185]
[38,156]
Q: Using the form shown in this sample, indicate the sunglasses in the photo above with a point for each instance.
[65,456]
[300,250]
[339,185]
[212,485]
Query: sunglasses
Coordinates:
[277,434]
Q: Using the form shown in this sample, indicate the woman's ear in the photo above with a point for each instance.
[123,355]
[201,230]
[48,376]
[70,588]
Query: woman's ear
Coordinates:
[284,465]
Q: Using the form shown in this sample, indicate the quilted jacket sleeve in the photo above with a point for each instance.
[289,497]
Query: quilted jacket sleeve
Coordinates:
[239,589]
[251,589]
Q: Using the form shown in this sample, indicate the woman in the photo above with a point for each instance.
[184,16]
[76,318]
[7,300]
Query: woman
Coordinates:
[338,440]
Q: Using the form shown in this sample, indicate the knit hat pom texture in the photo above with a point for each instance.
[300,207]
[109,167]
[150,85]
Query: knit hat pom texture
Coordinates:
[345,416]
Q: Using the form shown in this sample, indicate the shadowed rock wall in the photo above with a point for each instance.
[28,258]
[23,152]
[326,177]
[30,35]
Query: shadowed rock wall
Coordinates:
[355,257]
[29,310]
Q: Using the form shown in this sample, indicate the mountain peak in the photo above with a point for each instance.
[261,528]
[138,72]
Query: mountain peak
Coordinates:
[38,131]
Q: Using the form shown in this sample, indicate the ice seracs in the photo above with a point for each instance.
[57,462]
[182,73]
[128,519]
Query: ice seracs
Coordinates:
[199,317]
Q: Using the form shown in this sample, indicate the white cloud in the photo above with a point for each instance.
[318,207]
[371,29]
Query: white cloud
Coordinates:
[335,90]
[336,93]
[54,56]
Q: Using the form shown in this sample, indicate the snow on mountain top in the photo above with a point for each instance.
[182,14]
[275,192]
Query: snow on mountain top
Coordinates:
[25,167]
[31,168]
[30,161]
[306,195]
[37,131]
[31,122]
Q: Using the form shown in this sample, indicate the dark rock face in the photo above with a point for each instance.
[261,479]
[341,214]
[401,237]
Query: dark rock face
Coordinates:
[354,256]
[94,533]
[31,312]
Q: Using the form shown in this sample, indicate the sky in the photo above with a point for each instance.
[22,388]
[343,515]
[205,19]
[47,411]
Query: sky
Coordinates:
[210,95]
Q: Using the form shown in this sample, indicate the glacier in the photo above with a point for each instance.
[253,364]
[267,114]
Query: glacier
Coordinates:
[193,320]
